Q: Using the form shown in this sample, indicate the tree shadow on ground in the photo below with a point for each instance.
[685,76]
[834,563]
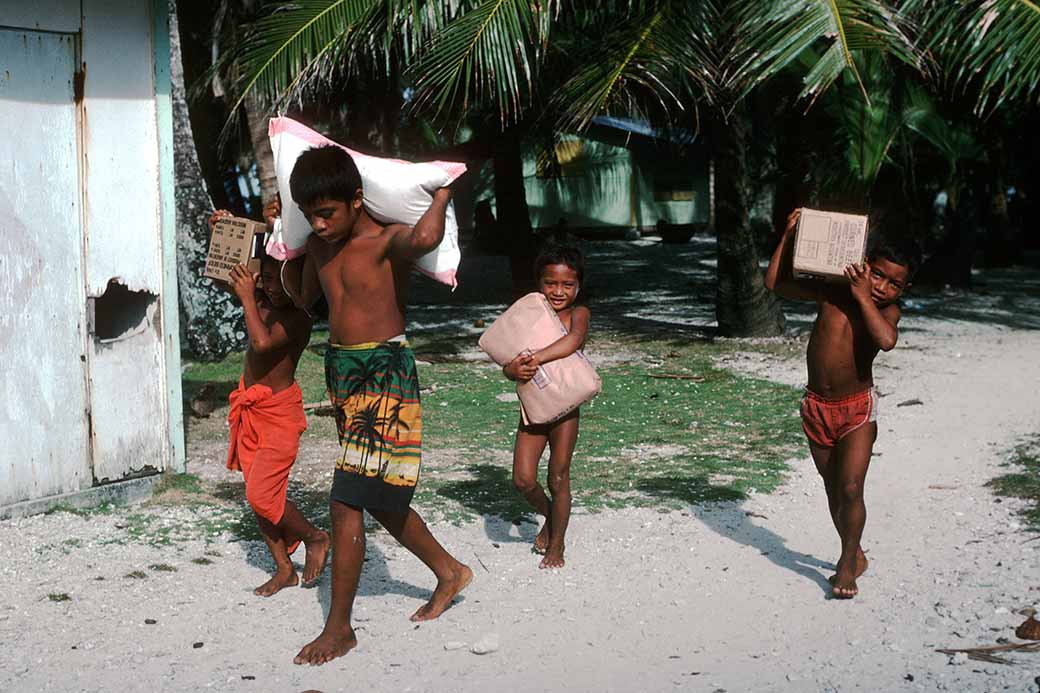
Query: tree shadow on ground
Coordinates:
[491,495]
[640,289]
[733,522]
[1009,297]
[376,579]
[439,347]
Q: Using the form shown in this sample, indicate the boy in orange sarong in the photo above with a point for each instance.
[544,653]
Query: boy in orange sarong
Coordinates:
[267,420]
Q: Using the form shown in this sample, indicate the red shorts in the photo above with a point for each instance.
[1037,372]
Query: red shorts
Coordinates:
[826,421]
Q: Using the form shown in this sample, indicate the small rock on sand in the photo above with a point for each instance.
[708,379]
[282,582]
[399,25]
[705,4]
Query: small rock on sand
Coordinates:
[486,645]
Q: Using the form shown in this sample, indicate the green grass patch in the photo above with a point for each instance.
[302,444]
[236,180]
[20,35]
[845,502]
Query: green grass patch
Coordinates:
[223,375]
[178,483]
[709,435]
[201,520]
[59,597]
[644,441]
[162,568]
[1024,481]
[202,560]
[66,508]
[136,575]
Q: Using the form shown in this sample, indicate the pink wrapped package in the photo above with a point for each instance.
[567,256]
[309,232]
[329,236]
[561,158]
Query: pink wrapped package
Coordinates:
[560,386]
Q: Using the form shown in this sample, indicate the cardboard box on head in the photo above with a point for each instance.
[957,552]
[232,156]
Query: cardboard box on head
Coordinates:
[234,241]
[826,242]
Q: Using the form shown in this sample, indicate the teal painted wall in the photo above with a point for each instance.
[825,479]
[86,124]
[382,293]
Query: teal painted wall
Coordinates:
[605,185]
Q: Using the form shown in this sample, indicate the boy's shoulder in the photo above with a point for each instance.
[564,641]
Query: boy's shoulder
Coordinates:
[290,317]
[393,230]
[893,311]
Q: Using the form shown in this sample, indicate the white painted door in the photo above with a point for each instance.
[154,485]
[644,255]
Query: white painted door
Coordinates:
[44,430]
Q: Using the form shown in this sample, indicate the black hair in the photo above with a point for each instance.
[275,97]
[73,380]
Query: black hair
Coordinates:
[327,173]
[900,253]
[568,255]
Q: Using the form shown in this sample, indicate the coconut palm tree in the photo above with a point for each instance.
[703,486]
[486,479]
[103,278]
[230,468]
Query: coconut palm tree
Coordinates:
[364,431]
[559,63]
[988,51]
[990,48]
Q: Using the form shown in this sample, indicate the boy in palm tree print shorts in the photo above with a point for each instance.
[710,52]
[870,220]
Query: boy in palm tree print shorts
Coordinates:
[362,267]
[374,389]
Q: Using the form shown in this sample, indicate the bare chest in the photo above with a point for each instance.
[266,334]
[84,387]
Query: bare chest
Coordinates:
[358,266]
[840,326]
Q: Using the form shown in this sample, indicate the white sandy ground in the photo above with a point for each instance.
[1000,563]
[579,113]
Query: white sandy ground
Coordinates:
[729,597]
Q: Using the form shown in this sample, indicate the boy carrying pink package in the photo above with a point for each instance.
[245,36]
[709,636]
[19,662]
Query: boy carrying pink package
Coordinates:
[538,341]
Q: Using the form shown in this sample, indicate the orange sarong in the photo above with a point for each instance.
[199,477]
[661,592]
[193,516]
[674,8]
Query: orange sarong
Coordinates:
[265,437]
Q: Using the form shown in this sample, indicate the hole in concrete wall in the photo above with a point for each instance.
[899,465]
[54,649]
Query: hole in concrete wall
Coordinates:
[120,313]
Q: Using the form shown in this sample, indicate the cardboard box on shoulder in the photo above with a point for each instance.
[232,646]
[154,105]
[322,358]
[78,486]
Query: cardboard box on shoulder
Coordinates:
[234,241]
[826,242]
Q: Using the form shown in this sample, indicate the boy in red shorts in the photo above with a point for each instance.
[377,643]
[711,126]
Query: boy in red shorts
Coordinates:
[839,410]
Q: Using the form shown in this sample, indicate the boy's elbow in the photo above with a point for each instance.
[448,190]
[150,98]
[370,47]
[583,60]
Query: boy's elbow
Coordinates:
[887,343]
[425,243]
[260,346]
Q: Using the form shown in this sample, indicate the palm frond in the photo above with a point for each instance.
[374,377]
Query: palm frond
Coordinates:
[845,27]
[483,55]
[955,142]
[989,45]
[651,55]
[302,41]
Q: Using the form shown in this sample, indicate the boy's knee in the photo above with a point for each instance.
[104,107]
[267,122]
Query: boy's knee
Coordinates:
[524,484]
[559,483]
[852,490]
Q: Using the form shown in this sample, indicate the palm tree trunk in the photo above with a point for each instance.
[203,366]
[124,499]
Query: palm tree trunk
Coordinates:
[514,219]
[963,240]
[256,117]
[210,320]
[743,306]
[999,247]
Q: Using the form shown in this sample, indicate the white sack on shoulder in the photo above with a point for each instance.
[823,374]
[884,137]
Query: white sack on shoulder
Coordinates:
[395,192]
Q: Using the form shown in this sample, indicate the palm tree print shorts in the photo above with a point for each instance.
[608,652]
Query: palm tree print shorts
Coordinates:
[374,389]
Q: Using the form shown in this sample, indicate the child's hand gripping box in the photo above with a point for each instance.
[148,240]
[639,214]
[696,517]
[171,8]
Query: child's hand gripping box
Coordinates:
[234,241]
[826,242]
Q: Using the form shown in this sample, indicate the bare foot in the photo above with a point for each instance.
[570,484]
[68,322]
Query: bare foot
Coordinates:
[861,566]
[861,563]
[553,559]
[844,583]
[317,555]
[541,542]
[278,582]
[446,591]
[332,643]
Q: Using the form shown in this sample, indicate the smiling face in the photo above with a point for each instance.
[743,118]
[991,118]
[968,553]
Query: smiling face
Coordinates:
[333,220]
[271,284]
[888,281]
[559,284]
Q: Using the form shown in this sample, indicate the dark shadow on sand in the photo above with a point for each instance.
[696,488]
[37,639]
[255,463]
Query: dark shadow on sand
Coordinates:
[376,579]
[728,519]
[490,494]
